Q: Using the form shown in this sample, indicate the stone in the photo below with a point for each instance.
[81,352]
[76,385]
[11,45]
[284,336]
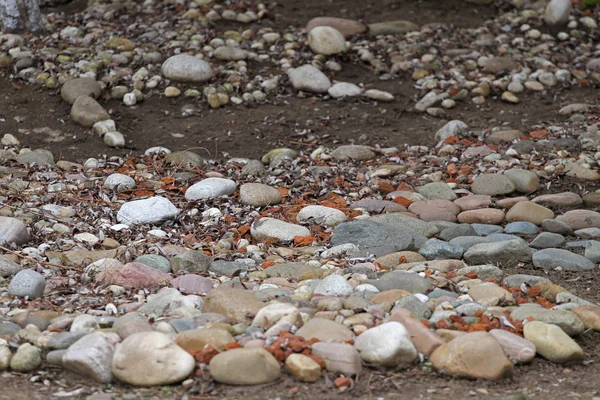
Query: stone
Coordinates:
[341,90]
[167,299]
[548,259]
[353,152]
[194,340]
[325,330]
[413,304]
[191,261]
[265,229]
[525,181]
[132,275]
[247,366]
[114,139]
[303,368]
[334,285]
[589,315]
[489,291]
[13,230]
[578,171]
[135,354]
[86,112]
[517,349]
[492,185]
[155,261]
[437,190]
[555,226]
[259,195]
[457,231]
[8,267]
[74,88]
[5,357]
[592,251]
[507,253]
[238,305]
[392,27]
[308,78]
[552,343]
[62,340]
[557,12]
[580,219]
[26,359]
[210,188]
[321,215]
[559,200]
[566,320]
[547,240]
[388,344]
[453,128]
[192,284]
[230,53]
[91,356]
[379,95]
[423,339]
[505,136]
[492,216]
[347,27]
[38,157]
[185,159]
[499,65]
[439,249]
[530,212]
[326,40]
[186,68]
[473,202]
[408,281]
[338,357]
[153,210]
[521,228]
[474,355]
[84,324]
[27,283]
[119,182]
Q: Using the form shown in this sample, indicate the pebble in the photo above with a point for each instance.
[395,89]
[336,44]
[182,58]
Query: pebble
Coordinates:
[580,219]
[119,182]
[74,88]
[309,79]
[259,195]
[13,230]
[91,356]
[326,40]
[529,212]
[27,283]
[210,188]
[517,349]
[339,357]
[388,344]
[26,359]
[548,259]
[492,185]
[547,239]
[325,216]
[249,366]
[340,90]
[552,343]
[153,210]
[86,111]
[347,27]
[353,152]
[303,368]
[186,68]
[506,253]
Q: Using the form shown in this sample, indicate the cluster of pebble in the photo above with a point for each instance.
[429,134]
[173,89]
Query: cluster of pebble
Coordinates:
[408,257]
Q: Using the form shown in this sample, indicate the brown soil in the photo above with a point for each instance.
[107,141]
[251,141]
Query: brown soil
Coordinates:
[287,121]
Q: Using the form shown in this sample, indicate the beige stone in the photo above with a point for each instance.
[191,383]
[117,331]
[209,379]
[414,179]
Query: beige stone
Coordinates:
[390,261]
[517,349]
[489,291]
[424,339]
[325,330]
[481,216]
[338,357]
[552,343]
[303,368]
[530,212]
[238,305]
[244,366]
[589,315]
[196,339]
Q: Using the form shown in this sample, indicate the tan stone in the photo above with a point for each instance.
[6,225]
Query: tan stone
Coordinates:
[424,339]
[552,343]
[448,335]
[482,216]
[303,368]
[197,339]
[387,298]
[390,261]
[251,366]
[517,349]
[325,330]
[338,357]
[473,202]
[510,201]
[434,265]
[238,305]
[589,315]
[549,290]
[474,355]
[530,212]
[347,27]
[488,291]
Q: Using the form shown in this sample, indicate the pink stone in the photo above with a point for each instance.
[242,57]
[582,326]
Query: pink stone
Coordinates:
[580,219]
[482,216]
[133,275]
[424,340]
[434,206]
[429,216]
[473,202]
[510,201]
[192,284]
[480,151]
[516,348]
[565,199]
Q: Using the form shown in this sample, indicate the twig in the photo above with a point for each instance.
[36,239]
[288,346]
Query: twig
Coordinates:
[45,263]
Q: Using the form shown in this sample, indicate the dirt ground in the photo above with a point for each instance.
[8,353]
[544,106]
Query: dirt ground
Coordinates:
[289,120]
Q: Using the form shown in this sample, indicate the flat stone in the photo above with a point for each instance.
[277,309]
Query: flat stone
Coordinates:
[195,339]
[521,228]
[339,357]
[552,343]
[326,40]
[555,226]
[37,157]
[375,206]
[91,356]
[325,330]
[548,259]
[380,239]
[507,253]
[86,111]
[74,88]
[473,202]
[264,229]
[580,219]
[259,195]
[388,344]
[392,27]
[190,262]
[230,53]
[457,231]
[439,249]
[547,240]
[353,152]
[414,305]
[437,191]
[347,27]
[341,90]
[334,285]
[491,216]
[559,200]
[566,320]
[492,185]
[132,275]
[589,315]
[309,79]
[530,212]
[153,210]
[578,171]
[186,68]
[238,305]
[325,216]
[184,159]
[167,299]
[525,181]
[401,280]
[155,261]
[210,188]
[484,272]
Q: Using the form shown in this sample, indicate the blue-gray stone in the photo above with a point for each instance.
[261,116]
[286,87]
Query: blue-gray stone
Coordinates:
[554,258]
[466,242]
[416,306]
[556,226]
[484,272]
[457,231]
[547,239]
[227,268]
[588,233]
[521,228]
[470,309]
[486,229]
[577,244]
[438,249]
[437,293]
[401,280]
[62,340]
[592,251]
[8,328]
[505,253]
[519,279]
[155,261]
[27,283]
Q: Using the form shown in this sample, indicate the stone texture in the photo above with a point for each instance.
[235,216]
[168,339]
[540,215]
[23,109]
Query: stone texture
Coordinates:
[552,343]
[91,356]
[517,349]
[388,344]
[530,212]
[86,112]
[338,357]
[492,185]
[238,305]
[507,253]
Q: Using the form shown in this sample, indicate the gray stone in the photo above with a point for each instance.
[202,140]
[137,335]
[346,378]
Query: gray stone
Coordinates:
[353,152]
[519,279]
[8,328]
[86,112]
[486,229]
[74,88]
[400,220]
[453,128]
[27,358]
[547,239]
[341,90]
[191,261]
[55,357]
[525,181]
[392,27]
[557,12]
[230,53]
[466,242]
[40,157]
[437,190]
[27,283]
[153,210]
[566,320]
[588,233]
[469,309]
[592,251]
[438,249]
[401,280]
[259,195]
[457,231]
[290,270]
[484,272]
[334,285]
[308,78]
[556,226]
[62,340]
[210,188]
[521,228]
[376,237]
[155,261]
[273,229]
[227,268]
[114,139]
[254,168]
[185,159]
[91,356]
[186,68]
[321,215]
[554,258]
[7,266]
[414,305]
[119,182]
[507,253]
[492,185]
[168,299]
[271,155]
[437,293]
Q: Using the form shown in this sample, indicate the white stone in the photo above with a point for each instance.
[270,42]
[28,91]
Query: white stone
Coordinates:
[326,40]
[388,344]
[210,188]
[84,324]
[271,228]
[557,12]
[13,230]
[153,210]
[309,79]
[344,89]
[114,139]
[119,182]
[452,128]
[91,356]
[129,99]
[186,68]
[379,95]
[334,285]
[321,215]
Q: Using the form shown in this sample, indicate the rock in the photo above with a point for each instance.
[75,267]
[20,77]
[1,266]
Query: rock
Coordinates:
[84,324]
[506,136]
[498,65]
[264,229]
[507,253]
[132,275]
[271,155]
[388,344]
[491,216]
[424,340]
[114,139]
[38,157]
[547,239]
[86,112]
[521,228]
[119,182]
[557,12]
[192,284]
[353,152]
[309,79]
[210,188]
[186,68]
[530,212]
[326,40]
[155,261]
[133,356]
[416,307]
[566,199]
[91,356]
[525,181]
[484,272]
[438,249]
[379,95]
[580,172]
[5,357]
[8,267]
[566,320]
[248,366]
[408,281]
[277,317]
[334,285]
[167,299]
[12,230]
[338,357]
[74,88]
[325,216]
[548,259]
[437,190]
[474,355]
[340,90]
[238,305]
[230,53]
[303,368]
[372,235]
[453,128]
[517,349]
[26,359]
[473,202]
[580,219]
[552,343]
[518,279]
[195,339]
[62,340]
[259,195]
[346,27]
[153,210]
[392,27]
[490,292]
[325,330]
[492,185]
[555,226]
[185,159]
[592,251]
[27,283]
